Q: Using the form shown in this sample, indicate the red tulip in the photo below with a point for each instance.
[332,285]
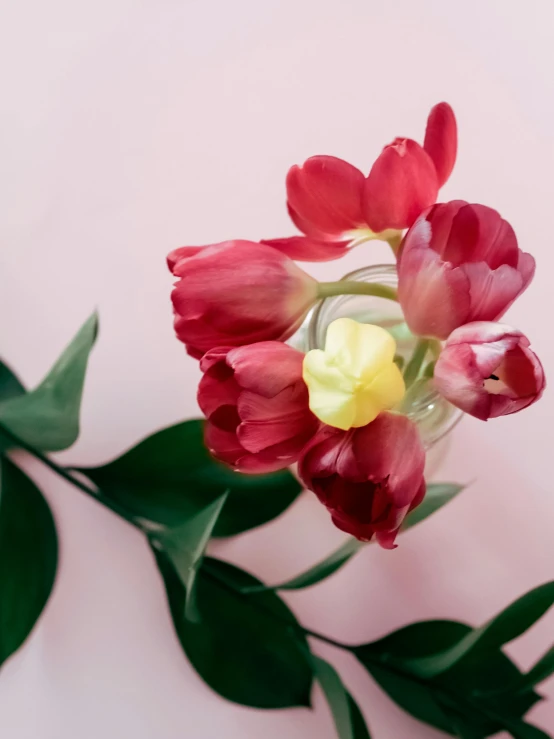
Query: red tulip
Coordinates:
[336,206]
[369,478]
[488,370]
[459,263]
[235,293]
[256,404]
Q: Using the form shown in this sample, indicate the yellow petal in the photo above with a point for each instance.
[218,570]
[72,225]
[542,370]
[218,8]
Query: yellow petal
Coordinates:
[384,391]
[359,349]
[354,378]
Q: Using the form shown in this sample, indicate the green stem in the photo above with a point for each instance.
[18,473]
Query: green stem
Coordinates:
[352,287]
[413,368]
[394,242]
[377,660]
[66,475]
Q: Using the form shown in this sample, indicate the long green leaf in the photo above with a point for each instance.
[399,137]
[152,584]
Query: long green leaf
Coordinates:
[349,722]
[28,557]
[359,725]
[321,570]
[10,387]
[48,416]
[336,695]
[185,547]
[472,678]
[170,476]
[522,730]
[505,627]
[248,649]
[437,495]
[542,670]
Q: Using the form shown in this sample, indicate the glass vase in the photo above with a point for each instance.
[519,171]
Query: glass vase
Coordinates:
[434,416]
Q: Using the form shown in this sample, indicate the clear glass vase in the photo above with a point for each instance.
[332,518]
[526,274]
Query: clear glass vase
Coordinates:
[434,416]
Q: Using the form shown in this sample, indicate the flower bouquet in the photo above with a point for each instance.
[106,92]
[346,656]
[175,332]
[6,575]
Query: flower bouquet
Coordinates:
[350,383]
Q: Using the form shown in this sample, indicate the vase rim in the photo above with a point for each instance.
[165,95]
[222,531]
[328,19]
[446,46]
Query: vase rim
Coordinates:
[377,272]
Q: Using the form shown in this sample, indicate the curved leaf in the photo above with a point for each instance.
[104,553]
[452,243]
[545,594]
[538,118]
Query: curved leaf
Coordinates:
[10,387]
[508,625]
[246,648]
[473,676]
[28,557]
[185,547]
[349,721]
[320,571]
[48,416]
[437,495]
[417,699]
[170,476]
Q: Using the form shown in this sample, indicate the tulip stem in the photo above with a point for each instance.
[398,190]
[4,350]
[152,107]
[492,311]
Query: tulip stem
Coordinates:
[413,368]
[352,287]
[67,475]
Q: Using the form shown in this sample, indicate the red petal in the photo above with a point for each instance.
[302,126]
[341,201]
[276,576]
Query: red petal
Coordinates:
[441,140]
[402,183]
[305,249]
[183,252]
[267,367]
[326,192]
[434,296]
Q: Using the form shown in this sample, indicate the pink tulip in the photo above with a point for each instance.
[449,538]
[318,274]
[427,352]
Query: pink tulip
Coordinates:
[459,263]
[369,478]
[235,293]
[256,403]
[488,370]
[336,206]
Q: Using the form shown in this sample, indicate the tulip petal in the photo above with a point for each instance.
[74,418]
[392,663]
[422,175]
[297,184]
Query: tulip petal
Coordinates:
[326,192]
[441,140]
[214,392]
[183,252]
[267,367]
[457,377]
[305,249]
[492,291]
[434,296]
[402,183]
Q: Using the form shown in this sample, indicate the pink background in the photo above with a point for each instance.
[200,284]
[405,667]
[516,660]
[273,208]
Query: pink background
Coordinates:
[129,128]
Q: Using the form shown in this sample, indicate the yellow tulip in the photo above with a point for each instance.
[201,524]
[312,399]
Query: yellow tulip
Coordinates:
[354,378]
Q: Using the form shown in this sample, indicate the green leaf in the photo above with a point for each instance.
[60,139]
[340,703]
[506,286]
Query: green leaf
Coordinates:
[249,649]
[522,730]
[543,669]
[170,476]
[417,699]
[48,416]
[28,557]
[359,725]
[336,695]
[505,627]
[472,676]
[437,495]
[185,547]
[348,719]
[10,387]
[321,570]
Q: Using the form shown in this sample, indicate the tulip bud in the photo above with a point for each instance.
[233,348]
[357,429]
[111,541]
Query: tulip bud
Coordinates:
[369,478]
[354,378]
[488,370]
[459,263]
[336,207]
[256,404]
[236,293]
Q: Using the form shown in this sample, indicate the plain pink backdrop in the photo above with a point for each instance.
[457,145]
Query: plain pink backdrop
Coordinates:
[128,128]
